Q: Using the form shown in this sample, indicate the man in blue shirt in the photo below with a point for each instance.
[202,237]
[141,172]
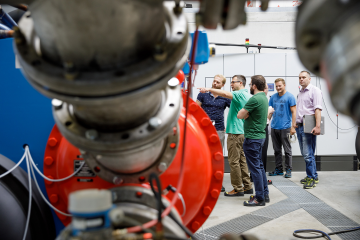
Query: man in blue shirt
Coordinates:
[284,104]
[214,106]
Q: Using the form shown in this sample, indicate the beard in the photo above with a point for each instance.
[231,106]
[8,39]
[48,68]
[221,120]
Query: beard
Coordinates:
[252,91]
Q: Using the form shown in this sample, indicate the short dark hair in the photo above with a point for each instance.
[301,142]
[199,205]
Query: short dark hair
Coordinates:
[305,71]
[241,78]
[259,81]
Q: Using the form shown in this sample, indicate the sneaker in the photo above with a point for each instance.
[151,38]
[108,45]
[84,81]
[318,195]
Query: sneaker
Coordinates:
[233,193]
[250,191]
[310,184]
[267,198]
[303,181]
[276,172]
[269,182]
[222,189]
[254,202]
[288,173]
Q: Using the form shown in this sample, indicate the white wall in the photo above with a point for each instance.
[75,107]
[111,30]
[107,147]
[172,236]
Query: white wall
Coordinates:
[275,27]
[287,66]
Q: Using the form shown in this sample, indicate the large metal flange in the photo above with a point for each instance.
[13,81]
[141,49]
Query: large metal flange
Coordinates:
[340,65]
[160,164]
[93,140]
[314,28]
[65,82]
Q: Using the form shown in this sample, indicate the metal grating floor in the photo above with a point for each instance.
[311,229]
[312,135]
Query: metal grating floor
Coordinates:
[297,198]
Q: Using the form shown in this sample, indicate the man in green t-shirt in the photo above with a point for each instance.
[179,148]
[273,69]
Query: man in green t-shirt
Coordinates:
[255,114]
[239,173]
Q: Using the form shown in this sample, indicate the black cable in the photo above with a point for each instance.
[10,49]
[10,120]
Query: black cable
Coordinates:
[329,114]
[157,193]
[322,234]
[184,228]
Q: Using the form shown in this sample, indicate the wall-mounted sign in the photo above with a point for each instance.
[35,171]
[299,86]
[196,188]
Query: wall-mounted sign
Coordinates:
[271,87]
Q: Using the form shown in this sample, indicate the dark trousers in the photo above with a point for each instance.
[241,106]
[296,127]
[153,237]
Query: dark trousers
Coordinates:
[265,148]
[280,139]
[252,150]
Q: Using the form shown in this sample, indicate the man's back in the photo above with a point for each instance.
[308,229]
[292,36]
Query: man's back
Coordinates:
[255,124]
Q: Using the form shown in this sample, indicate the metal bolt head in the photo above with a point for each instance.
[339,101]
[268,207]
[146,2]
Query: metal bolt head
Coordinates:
[57,104]
[173,82]
[154,123]
[117,180]
[162,167]
[91,134]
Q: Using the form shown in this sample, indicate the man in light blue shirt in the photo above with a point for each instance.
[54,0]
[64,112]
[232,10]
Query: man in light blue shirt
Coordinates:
[282,126]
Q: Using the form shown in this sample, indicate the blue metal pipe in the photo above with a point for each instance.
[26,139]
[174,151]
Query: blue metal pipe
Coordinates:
[6,19]
[3,27]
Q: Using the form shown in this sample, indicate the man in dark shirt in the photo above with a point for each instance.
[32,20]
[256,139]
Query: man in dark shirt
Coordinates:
[214,106]
[255,113]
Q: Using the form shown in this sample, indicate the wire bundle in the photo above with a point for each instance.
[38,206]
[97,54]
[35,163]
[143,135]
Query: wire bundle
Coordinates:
[30,164]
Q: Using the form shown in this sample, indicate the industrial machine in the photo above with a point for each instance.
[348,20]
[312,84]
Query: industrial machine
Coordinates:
[124,126]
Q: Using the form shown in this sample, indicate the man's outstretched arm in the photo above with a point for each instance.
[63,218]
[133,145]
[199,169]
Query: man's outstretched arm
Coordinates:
[219,92]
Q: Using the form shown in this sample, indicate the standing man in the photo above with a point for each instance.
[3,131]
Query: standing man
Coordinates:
[239,172]
[255,113]
[308,103]
[214,105]
[266,144]
[282,125]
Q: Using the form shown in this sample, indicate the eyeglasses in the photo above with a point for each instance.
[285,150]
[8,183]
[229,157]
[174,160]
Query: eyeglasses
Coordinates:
[250,84]
[232,82]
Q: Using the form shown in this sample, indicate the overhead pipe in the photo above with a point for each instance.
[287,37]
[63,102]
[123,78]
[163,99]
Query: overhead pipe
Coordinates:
[6,19]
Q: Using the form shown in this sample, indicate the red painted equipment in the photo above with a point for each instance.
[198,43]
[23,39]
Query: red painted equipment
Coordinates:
[203,169]
[180,76]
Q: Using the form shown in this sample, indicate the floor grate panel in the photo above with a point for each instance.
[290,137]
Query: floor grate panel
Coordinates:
[297,198]
[236,225]
[278,209]
[346,236]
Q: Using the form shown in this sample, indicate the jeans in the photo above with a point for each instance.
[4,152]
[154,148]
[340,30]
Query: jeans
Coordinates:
[307,142]
[265,147]
[252,149]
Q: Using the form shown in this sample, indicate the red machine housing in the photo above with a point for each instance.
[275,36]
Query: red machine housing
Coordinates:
[203,169]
